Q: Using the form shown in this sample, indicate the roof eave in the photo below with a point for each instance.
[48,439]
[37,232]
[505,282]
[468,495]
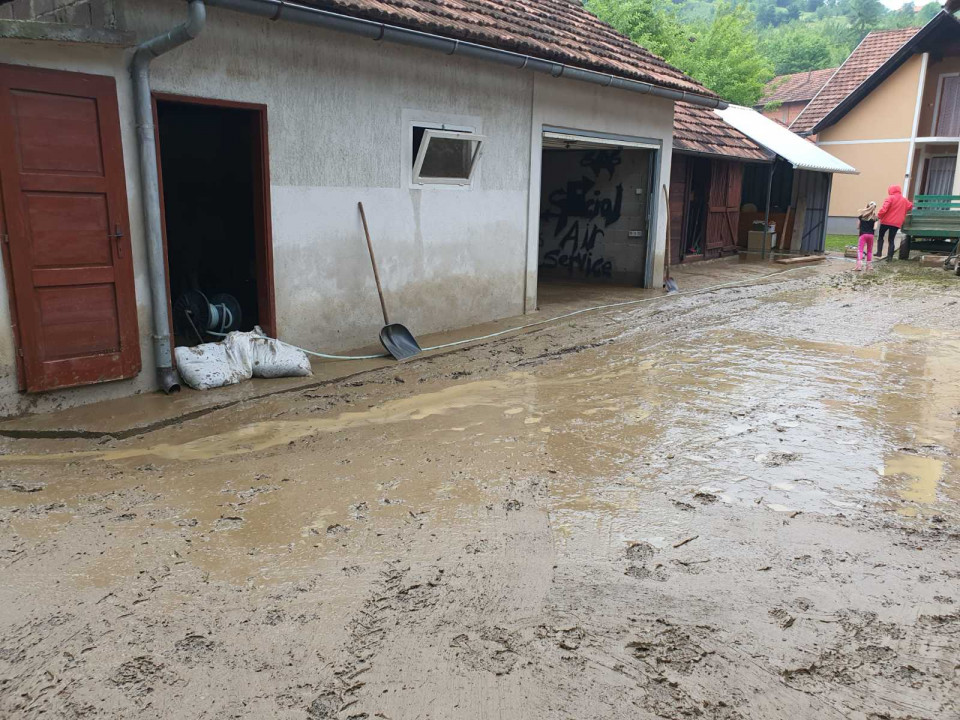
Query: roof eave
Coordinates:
[379,30]
[725,156]
[880,74]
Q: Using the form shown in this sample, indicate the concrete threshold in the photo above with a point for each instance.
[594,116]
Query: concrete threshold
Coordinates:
[139,414]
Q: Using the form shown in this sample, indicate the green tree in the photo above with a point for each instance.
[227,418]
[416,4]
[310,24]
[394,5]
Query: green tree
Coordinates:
[725,55]
[906,16]
[795,48]
[927,13]
[839,39]
[864,15]
[647,22]
[773,13]
[791,35]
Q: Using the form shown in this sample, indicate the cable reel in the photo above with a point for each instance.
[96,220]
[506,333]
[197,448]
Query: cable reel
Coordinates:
[196,316]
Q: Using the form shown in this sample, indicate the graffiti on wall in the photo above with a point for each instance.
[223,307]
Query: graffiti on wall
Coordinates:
[582,210]
[598,160]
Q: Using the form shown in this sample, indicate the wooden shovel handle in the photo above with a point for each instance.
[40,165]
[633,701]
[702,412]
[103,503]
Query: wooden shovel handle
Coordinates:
[373,261]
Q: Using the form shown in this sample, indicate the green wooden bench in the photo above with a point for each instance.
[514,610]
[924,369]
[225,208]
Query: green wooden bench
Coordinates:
[933,224]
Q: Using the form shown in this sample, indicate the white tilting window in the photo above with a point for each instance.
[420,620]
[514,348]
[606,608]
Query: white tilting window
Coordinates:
[445,157]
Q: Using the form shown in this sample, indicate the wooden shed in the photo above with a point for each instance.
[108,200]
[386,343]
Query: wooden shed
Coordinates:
[706,183]
[735,168]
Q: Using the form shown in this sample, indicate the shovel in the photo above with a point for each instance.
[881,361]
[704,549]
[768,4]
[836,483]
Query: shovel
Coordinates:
[396,339]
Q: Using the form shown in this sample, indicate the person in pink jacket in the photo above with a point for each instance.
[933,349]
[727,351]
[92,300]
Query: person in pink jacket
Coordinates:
[892,214]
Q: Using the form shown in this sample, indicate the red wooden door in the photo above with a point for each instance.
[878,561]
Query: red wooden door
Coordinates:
[65,213]
[726,186]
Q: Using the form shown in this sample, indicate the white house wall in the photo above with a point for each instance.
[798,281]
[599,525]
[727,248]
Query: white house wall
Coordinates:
[338,110]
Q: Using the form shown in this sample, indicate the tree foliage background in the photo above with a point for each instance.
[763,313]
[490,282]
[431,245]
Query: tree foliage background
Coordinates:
[734,47]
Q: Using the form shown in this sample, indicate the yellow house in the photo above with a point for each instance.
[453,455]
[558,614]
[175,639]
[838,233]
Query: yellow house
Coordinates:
[892,110]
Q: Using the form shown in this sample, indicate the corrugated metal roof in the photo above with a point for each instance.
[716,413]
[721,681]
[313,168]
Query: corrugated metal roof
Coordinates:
[799,152]
[698,130]
[556,30]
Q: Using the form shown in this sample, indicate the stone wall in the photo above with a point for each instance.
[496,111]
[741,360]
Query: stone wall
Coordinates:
[83,13]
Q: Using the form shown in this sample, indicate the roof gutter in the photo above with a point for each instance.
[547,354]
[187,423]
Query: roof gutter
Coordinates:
[150,184]
[284,10]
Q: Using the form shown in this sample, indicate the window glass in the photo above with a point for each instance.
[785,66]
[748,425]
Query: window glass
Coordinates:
[948,122]
[447,158]
[444,156]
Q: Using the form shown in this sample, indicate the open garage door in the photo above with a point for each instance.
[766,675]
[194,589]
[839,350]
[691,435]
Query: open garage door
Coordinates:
[597,200]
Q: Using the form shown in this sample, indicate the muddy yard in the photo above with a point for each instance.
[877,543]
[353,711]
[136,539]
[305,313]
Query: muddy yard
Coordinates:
[739,504]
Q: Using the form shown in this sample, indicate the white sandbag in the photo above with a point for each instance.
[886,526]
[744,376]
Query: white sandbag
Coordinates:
[214,365]
[274,359]
[240,356]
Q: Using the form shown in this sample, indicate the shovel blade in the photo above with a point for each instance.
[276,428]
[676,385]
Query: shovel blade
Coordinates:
[399,342]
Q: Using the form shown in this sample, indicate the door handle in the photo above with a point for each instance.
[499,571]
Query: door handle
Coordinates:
[118,237]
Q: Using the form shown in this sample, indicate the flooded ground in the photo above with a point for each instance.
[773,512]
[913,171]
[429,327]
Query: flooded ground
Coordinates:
[741,504]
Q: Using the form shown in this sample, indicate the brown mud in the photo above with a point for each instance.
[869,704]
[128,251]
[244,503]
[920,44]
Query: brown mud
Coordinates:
[743,504]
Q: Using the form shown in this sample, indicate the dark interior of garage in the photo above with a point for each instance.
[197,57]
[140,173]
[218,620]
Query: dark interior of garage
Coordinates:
[594,213]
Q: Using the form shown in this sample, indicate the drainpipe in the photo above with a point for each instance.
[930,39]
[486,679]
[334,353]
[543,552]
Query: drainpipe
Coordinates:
[150,183]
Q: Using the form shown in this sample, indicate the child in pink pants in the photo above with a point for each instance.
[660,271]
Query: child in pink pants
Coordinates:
[868,221]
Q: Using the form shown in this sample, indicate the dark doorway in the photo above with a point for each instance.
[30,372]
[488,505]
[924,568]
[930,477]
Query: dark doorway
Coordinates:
[216,219]
[815,188]
[695,233]
[594,212]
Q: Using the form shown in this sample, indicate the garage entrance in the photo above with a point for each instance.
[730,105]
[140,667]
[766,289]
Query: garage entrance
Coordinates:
[596,204]
[216,217]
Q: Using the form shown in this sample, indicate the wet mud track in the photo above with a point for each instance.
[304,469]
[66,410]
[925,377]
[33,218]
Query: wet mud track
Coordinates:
[734,505]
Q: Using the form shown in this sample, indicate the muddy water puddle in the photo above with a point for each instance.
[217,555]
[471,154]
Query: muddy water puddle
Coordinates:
[733,416]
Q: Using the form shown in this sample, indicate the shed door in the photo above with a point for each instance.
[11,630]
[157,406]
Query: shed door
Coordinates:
[815,186]
[726,187]
[64,196]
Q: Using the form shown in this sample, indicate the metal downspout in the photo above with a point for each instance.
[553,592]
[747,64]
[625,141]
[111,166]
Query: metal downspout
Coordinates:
[306,15]
[150,183]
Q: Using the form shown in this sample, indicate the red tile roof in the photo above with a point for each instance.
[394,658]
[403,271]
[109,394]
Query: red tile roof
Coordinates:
[875,49]
[796,87]
[699,129]
[557,30]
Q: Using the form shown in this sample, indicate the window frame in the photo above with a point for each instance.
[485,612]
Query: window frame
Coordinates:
[935,120]
[433,130]
[928,162]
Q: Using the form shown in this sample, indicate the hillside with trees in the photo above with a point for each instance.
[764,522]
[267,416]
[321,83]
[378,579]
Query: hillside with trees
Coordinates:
[734,48]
